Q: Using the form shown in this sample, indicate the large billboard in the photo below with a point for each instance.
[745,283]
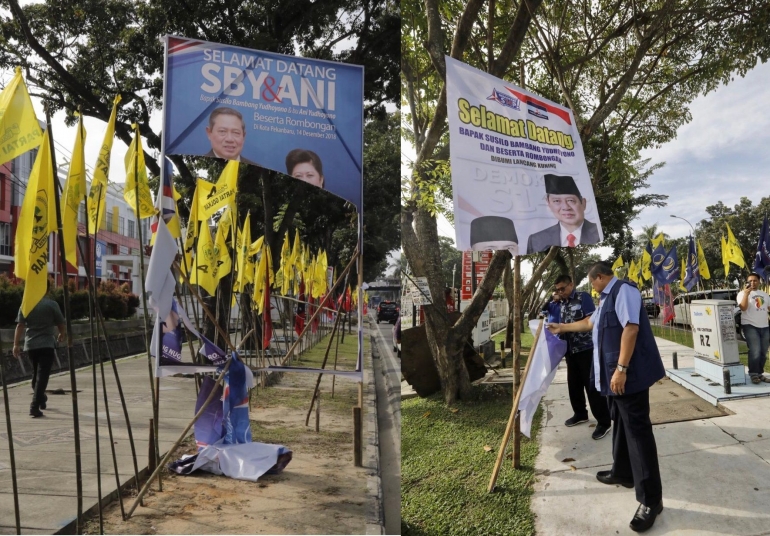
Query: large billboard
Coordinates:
[299,116]
[519,175]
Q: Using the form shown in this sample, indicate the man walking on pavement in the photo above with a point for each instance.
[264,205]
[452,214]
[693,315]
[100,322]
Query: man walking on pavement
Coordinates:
[626,364]
[39,331]
[573,307]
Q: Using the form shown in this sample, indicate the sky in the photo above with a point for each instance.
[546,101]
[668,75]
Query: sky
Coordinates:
[721,155]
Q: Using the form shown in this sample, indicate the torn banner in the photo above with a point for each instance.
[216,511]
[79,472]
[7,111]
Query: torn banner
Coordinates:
[172,359]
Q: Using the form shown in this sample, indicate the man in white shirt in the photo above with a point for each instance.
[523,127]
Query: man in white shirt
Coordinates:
[754,305]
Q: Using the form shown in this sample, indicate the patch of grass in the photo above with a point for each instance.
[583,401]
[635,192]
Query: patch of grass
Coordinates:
[325,441]
[526,339]
[445,469]
[347,353]
[345,397]
[684,337]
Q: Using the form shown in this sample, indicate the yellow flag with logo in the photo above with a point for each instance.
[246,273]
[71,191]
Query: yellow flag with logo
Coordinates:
[74,192]
[37,219]
[136,179]
[243,241]
[214,196]
[725,256]
[286,268]
[97,195]
[617,265]
[703,267]
[205,262]
[19,129]
[224,263]
[734,251]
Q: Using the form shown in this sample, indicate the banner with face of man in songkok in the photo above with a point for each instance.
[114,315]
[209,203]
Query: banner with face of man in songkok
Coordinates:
[519,175]
[299,116]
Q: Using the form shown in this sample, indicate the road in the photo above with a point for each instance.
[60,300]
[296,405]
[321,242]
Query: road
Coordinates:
[387,372]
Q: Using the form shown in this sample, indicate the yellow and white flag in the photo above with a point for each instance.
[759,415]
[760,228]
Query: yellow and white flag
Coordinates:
[74,193]
[37,220]
[97,195]
[19,129]
[136,178]
[214,196]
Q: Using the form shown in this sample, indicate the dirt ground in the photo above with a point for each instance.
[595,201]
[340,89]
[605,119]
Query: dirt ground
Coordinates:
[319,492]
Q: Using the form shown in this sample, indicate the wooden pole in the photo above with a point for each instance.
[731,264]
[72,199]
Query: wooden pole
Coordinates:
[357,451]
[323,365]
[516,457]
[10,447]
[92,307]
[514,412]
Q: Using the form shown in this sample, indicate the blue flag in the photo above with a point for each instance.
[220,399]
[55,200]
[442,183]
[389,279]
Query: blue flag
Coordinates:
[692,271]
[667,270]
[762,257]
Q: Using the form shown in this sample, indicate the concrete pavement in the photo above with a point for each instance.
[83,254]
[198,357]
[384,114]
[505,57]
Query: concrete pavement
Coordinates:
[45,452]
[715,472]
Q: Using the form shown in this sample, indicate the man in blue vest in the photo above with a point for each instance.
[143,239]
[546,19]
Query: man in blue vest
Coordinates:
[626,363]
[575,306]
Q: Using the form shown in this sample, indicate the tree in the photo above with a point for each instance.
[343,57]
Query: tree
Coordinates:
[77,55]
[627,71]
[451,262]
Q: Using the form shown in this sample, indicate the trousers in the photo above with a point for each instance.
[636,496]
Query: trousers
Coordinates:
[579,381]
[42,361]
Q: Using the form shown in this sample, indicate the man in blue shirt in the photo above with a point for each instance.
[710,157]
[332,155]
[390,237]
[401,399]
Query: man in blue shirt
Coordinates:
[626,363]
[573,307]
[552,310]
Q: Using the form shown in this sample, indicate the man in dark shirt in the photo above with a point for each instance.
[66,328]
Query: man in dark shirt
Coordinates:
[39,332]
[575,306]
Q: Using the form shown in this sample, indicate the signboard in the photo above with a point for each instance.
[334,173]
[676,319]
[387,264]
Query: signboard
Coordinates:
[299,116]
[420,291]
[101,250]
[406,311]
[713,331]
[483,258]
[519,175]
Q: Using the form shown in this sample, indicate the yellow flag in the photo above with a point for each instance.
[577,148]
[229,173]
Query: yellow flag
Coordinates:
[74,192]
[286,267]
[19,129]
[98,192]
[703,267]
[657,240]
[226,223]
[646,262]
[136,173]
[682,276]
[37,219]
[205,262]
[296,252]
[319,279]
[725,256]
[263,277]
[734,251]
[617,265]
[632,272]
[213,197]
[242,243]
[192,223]
[223,263]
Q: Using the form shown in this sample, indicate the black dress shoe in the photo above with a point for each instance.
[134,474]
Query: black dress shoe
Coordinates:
[606,477]
[645,517]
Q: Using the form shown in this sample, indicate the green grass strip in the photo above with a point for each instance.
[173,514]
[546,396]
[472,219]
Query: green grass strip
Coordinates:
[445,469]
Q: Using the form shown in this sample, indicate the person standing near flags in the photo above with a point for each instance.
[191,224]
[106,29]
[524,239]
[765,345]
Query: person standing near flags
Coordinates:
[754,305]
[626,363]
[37,328]
[573,307]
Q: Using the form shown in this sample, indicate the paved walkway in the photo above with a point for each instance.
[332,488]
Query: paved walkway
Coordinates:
[715,472]
[45,452]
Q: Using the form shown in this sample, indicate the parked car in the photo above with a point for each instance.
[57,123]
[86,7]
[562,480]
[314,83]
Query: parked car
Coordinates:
[682,303]
[652,308]
[387,310]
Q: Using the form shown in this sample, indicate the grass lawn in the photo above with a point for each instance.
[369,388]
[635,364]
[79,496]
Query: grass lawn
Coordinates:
[526,339]
[684,337]
[445,468]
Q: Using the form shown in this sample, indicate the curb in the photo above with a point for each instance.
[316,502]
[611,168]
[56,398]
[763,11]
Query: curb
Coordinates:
[375,519]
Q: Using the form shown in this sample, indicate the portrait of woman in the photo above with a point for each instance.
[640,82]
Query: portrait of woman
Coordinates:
[306,166]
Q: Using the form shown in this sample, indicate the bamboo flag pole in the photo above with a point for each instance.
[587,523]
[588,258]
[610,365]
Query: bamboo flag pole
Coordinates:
[68,319]
[514,411]
[516,350]
[91,307]
[320,307]
[10,447]
[323,365]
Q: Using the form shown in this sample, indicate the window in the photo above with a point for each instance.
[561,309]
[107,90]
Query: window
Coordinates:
[121,225]
[5,239]
[131,229]
[109,220]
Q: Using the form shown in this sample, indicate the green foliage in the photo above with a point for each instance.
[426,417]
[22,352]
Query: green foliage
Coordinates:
[445,468]
[451,258]
[11,295]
